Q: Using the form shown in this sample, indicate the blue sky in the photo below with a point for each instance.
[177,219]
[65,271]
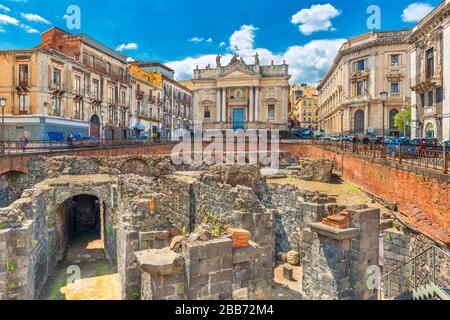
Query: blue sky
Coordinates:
[183,34]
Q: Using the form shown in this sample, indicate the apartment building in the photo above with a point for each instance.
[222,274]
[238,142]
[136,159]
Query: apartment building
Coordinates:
[146,102]
[304,111]
[349,93]
[68,84]
[430,74]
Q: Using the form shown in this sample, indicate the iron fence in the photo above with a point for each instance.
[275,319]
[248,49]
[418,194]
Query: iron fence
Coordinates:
[38,146]
[431,157]
[428,267]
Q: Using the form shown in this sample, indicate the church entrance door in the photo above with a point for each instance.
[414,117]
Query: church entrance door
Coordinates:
[238,118]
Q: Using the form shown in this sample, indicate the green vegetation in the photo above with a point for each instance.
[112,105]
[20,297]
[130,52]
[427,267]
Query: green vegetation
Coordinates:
[10,286]
[184,231]
[219,228]
[3,225]
[399,119]
[55,288]
[10,266]
[136,294]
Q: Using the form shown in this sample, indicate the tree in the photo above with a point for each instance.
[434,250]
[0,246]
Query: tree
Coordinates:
[399,119]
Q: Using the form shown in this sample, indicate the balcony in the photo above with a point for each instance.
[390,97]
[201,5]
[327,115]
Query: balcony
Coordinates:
[57,88]
[358,99]
[425,82]
[430,110]
[360,74]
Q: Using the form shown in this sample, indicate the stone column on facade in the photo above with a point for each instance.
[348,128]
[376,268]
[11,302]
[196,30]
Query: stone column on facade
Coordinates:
[257,111]
[218,107]
[224,105]
[366,118]
[251,107]
[446,79]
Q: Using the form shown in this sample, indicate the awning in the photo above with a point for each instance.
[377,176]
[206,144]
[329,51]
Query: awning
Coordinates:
[150,119]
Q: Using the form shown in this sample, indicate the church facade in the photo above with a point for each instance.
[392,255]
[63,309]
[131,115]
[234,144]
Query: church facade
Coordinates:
[241,96]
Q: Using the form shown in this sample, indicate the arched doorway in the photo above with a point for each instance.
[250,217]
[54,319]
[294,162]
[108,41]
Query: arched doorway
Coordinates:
[393,130]
[359,121]
[429,130]
[392,115]
[82,247]
[94,126]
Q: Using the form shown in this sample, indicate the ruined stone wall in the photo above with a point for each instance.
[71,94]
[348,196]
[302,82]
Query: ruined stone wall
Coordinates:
[294,210]
[335,260]
[400,247]
[212,270]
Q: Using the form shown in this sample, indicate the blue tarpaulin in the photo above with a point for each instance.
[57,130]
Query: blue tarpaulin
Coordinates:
[55,136]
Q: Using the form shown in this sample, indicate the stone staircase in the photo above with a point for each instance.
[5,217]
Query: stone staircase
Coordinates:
[426,292]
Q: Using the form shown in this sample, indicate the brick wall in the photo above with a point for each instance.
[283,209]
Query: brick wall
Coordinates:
[422,196]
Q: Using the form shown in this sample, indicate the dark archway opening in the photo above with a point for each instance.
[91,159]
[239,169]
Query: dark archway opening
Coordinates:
[84,216]
[82,248]
[359,121]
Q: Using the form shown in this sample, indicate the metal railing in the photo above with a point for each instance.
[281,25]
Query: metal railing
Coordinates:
[430,157]
[416,272]
[41,146]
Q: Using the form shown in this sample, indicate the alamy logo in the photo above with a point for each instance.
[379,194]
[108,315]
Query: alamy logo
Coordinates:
[230,147]
[73,17]
[374,20]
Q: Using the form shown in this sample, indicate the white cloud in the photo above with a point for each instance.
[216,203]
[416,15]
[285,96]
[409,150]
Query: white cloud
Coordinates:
[196,39]
[2,30]
[4,8]
[316,18]
[127,46]
[307,63]
[130,59]
[222,44]
[243,39]
[200,39]
[416,11]
[28,29]
[5,19]
[34,18]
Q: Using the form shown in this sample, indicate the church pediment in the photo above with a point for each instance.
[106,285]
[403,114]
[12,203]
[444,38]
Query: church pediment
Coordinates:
[237,72]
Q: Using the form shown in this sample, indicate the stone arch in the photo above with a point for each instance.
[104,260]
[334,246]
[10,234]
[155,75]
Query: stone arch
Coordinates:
[136,166]
[429,130]
[358,125]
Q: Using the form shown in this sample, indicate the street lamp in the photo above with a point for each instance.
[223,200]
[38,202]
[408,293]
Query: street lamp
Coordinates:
[383,98]
[3,105]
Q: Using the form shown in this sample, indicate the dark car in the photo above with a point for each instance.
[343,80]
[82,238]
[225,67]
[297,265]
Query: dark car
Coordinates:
[425,143]
[86,142]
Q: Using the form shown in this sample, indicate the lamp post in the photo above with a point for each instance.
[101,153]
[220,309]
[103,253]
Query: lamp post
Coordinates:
[383,98]
[342,126]
[3,105]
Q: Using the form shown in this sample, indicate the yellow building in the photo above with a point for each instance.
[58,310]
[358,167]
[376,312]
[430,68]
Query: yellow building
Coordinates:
[304,112]
[146,106]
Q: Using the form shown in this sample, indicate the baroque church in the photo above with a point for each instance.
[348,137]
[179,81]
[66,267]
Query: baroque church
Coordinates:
[241,96]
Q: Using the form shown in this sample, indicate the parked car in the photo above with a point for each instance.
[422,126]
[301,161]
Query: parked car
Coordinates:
[425,143]
[86,142]
[409,148]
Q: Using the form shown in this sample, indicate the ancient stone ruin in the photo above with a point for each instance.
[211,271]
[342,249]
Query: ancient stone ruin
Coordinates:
[193,232]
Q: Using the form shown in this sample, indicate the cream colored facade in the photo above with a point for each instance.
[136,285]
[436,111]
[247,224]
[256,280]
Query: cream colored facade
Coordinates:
[69,84]
[241,96]
[146,102]
[430,75]
[304,111]
[367,64]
